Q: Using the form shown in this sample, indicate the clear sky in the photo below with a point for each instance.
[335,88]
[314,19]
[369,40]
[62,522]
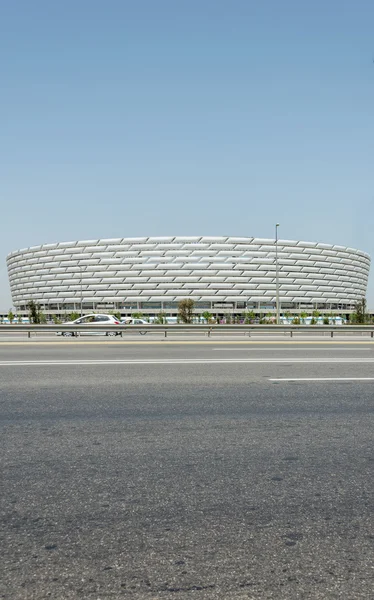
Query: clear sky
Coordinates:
[186,117]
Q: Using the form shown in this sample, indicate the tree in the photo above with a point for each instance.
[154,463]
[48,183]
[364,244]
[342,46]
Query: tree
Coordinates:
[185,310]
[207,316]
[36,315]
[34,312]
[11,316]
[137,315]
[303,316]
[359,316]
[42,318]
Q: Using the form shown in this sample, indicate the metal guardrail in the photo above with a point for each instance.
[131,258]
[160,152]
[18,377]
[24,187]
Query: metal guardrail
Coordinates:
[207,329]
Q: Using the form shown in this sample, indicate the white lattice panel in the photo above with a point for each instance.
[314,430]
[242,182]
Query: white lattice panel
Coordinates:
[204,268]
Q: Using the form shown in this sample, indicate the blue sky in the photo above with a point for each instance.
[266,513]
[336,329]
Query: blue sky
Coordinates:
[186,117]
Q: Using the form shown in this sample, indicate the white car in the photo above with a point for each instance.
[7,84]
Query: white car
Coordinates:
[132,321]
[98,320]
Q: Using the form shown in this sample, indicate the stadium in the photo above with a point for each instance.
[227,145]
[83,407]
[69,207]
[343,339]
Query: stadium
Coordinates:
[221,275]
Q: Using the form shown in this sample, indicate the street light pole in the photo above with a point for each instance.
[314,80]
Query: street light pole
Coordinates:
[81,270]
[277,274]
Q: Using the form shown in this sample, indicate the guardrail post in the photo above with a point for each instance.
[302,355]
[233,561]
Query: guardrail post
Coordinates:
[209,330]
[291,333]
[372,334]
[29,334]
[249,334]
[166,333]
[332,334]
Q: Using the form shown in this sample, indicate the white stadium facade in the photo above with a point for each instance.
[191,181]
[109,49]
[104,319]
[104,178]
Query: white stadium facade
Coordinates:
[221,274]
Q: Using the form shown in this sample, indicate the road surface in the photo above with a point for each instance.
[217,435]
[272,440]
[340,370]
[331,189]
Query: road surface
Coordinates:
[187,470]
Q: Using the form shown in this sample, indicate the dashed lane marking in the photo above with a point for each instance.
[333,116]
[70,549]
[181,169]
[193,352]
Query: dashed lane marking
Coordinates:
[317,379]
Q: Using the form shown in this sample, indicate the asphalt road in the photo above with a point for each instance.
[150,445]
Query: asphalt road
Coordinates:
[187,471]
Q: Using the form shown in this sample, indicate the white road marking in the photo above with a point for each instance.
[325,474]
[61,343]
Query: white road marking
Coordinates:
[248,342]
[188,361]
[323,379]
[324,348]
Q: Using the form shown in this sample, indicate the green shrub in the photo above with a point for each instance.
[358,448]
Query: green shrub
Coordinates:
[160,319]
[137,315]
[249,317]
[73,316]
[116,314]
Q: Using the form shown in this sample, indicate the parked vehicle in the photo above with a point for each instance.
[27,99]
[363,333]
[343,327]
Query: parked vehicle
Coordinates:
[96,320]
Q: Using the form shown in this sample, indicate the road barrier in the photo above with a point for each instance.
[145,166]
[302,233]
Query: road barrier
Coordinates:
[208,330]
